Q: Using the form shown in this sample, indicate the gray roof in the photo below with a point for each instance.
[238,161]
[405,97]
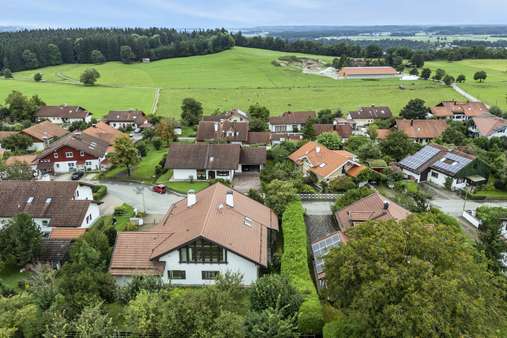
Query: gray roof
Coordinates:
[452,163]
[372,112]
[423,158]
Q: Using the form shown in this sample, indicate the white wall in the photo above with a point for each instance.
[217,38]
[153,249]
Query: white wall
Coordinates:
[63,167]
[36,146]
[235,263]
[83,192]
[184,174]
[415,176]
[92,214]
[441,178]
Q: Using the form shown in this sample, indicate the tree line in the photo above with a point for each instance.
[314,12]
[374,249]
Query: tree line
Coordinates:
[30,49]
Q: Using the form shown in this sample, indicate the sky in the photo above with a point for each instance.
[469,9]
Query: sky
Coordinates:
[248,13]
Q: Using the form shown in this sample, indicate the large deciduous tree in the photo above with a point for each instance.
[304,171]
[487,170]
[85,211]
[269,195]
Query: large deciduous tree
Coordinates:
[97,57]
[125,153]
[415,110]
[397,145]
[419,277]
[126,54]
[89,77]
[191,111]
[480,76]
[331,140]
[490,235]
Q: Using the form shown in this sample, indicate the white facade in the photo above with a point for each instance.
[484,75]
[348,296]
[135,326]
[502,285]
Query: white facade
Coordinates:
[119,125]
[83,192]
[192,174]
[286,128]
[92,214]
[59,120]
[69,166]
[412,175]
[439,178]
[193,271]
[37,146]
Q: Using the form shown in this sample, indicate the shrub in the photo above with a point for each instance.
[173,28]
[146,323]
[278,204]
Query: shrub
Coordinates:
[124,210]
[275,291]
[295,267]
[157,142]
[99,192]
[342,183]
[130,291]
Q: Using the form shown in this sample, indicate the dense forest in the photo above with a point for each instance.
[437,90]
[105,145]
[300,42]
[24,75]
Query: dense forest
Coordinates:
[30,49]
[370,50]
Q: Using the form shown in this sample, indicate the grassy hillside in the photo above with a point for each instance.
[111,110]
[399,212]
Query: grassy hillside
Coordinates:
[235,78]
[493,91]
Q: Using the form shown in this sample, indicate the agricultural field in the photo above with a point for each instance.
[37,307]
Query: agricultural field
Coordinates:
[493,91]
[235,78]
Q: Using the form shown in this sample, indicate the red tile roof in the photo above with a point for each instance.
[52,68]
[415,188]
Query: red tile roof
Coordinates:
[422,129]
[45,131]
[297,117]
[449,108]
[351,71]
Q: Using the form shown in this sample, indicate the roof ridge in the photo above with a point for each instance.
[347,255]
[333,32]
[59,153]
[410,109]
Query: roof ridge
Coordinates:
[205,222]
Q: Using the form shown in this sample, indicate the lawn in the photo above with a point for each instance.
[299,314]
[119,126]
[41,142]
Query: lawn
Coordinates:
[181,187]
[493,91]
[235,78]
[10,276]
[491,194]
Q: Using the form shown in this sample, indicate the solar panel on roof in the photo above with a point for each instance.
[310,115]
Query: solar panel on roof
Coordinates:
[419,158]
[321,248]
[452,163]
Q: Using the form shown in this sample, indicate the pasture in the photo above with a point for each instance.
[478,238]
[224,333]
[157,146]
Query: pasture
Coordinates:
[493,91]
[235,78]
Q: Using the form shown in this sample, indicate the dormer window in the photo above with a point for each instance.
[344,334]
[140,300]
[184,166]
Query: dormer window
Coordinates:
[55,155]
[30,200]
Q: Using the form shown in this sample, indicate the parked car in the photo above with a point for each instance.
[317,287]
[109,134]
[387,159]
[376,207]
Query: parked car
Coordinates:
[77,175]
[160,188]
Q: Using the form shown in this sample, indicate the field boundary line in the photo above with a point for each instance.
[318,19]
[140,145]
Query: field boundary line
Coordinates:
[154,107]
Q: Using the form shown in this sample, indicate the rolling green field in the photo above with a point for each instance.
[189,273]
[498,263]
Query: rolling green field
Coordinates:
[493,91]
[235,78]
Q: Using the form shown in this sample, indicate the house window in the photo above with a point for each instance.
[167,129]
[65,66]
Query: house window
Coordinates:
[69,154]
[201,174]
[176,274]
[81,153]
[55,155]
[280,129]
[209,275]
[223,173]
[88,162]
[45,223]
[202,251]
[434,174]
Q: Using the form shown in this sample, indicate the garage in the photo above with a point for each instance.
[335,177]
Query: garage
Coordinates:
[252,159]
[250,168]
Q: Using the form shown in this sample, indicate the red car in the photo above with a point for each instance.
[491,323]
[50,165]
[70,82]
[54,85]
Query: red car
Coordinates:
[160,188]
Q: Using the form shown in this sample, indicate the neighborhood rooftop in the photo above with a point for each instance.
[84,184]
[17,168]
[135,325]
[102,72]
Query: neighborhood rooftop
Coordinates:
[203,156]
[63,111]
[292,117]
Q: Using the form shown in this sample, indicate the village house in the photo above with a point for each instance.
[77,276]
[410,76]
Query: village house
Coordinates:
[53,205]
[28,160]
[43,134]
[326,164]
[210,161]
[277,138]
[367,115]
[127,119]
[73,152]
[367,72]
[104,132]
[63,114]
[234,115]
[459,111]
[422,131]
[488,126]
[344,130]
[259,138]
[215,231]
[290,122]
[438,165]
[223,132]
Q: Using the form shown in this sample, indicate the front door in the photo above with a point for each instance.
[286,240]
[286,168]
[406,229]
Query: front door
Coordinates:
[211,175]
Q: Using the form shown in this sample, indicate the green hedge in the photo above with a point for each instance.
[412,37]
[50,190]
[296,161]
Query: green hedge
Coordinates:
[295,267]
[332,329]
[99,192]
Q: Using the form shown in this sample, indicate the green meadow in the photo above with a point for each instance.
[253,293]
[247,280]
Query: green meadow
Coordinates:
[235,78]
[493,91]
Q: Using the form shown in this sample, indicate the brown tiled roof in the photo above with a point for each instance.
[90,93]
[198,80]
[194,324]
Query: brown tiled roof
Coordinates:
[356,170]
[52,250]
[368,209]
[222,131]
[382,134]
[66,233]
[350,71]
[297,117]
[79,141]
[203,156]
[259,137]
[126,116]
[253,156]
[24,159]
[32,197]
[487,125]
[104,132]
[323,161]
[5,134]
[372,112]
[63,111]
[344,130]
[426,129]
[449,108]
[210,218]
[45,131]
[132,253]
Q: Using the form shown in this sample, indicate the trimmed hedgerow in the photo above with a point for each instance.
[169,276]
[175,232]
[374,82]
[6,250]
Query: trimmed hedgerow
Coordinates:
[295,267]
[99,192]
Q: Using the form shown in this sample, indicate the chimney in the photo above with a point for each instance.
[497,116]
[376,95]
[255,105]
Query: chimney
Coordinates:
[411,123]
[386,205]
[191,198]
[317,149]
[229,199]
[216,126]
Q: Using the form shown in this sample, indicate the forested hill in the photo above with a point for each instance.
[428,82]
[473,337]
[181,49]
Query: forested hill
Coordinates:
[30,49]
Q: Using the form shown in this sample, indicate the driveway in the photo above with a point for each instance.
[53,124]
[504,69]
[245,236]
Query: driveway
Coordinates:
[317,208]
[246,181]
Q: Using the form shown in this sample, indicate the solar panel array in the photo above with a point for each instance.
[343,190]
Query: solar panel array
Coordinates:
[458,163]
[418,159]
[321,248]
